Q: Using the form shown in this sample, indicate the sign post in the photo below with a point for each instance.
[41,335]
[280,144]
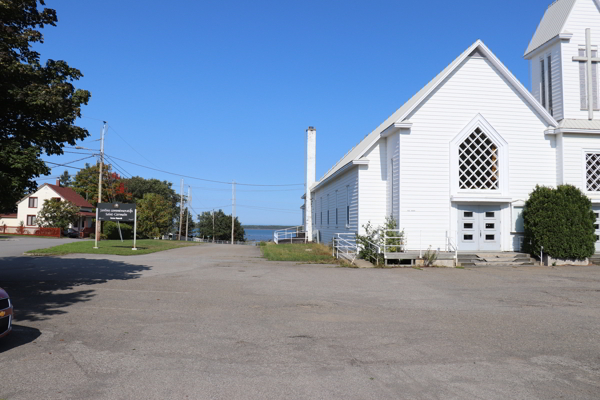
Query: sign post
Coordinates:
[96,235]
[134,228]
[117,212]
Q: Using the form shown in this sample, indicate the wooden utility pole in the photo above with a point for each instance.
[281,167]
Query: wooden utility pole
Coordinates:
[213,225]
[232,211]
[98,224]
[187,218]
[180,210]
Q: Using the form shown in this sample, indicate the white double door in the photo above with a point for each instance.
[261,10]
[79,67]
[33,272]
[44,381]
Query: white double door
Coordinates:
[597,227]
[479,228]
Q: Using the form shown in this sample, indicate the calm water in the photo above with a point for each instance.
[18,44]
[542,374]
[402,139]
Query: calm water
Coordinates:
[259,234]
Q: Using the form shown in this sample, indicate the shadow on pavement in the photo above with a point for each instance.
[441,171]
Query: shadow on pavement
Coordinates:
[42,287]
[19,336]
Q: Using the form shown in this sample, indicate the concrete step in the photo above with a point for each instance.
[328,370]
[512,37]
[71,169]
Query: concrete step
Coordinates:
[495,259]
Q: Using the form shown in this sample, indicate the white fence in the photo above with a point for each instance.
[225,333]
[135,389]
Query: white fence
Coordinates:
[247,243]
[289,234]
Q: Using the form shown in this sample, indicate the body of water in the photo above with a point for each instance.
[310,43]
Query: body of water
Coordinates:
[259,234]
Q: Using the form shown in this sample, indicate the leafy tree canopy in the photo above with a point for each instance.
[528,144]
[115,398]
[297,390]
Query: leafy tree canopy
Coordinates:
[222,226]
[113,186]
[154,215]
[38,102]
[57,214]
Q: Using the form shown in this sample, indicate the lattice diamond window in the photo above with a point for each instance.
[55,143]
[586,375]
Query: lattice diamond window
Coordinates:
[478,162]
[592,172]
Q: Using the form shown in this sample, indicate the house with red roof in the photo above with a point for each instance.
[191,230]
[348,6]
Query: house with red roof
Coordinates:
[29,206]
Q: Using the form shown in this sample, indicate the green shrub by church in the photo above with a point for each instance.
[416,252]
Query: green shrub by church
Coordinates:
[562,221]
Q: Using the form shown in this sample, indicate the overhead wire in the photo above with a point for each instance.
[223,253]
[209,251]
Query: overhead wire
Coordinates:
[133,148]
[204,179]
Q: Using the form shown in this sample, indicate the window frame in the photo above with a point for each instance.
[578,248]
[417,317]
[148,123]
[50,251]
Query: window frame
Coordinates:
[36,202]
[34,217]
[584,177]
[503,167]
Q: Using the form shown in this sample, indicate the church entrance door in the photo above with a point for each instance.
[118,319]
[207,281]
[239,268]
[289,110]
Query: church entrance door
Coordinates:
[597,227]
[479,227]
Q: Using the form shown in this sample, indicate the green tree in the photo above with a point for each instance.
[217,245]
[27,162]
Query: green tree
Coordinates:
[65,179]
[57,214]
[561,220]
[38,102]
[139,187]
[190,220]
[222,226]
[154,215]
[114,187]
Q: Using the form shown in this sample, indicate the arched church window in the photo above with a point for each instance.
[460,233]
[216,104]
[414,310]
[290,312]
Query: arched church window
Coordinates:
[592,172]
[478,162]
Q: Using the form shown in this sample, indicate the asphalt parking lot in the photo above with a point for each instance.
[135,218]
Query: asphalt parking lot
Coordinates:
[220,322]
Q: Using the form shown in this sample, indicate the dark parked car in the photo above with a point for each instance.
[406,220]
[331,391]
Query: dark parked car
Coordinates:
[70,233]
[6,313]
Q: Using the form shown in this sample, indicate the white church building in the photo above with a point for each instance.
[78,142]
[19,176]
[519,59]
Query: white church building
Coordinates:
[458,160]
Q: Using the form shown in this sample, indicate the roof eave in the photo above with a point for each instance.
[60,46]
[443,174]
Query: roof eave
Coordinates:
[566,36]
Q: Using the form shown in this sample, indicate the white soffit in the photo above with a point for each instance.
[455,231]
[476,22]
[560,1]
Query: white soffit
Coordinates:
[552,24]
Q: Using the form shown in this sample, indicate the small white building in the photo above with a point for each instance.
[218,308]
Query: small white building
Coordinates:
[458,160]
[30,205]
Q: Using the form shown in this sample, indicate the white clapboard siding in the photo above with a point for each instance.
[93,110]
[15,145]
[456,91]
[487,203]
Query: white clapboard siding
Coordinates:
[475,88]
[574,149]
[556,76]
[373,186]
[345,182]
[584,15]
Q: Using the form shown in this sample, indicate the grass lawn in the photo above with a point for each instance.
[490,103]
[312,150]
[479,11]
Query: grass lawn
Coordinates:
[144,246]
[310,253]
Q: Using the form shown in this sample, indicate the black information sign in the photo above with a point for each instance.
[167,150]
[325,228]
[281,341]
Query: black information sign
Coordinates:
[118,212]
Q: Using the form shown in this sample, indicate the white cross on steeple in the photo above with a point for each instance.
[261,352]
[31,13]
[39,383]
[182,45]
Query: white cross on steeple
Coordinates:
[589,60]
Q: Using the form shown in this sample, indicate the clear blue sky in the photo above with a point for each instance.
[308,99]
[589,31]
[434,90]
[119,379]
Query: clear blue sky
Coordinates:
[224,90]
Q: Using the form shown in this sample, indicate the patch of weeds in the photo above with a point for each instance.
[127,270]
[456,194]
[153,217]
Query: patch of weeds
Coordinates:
[460,267]
[419,268]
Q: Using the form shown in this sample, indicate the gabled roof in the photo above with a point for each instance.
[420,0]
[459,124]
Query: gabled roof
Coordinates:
[66,193]
[552,23]
[403,112]
[70,195]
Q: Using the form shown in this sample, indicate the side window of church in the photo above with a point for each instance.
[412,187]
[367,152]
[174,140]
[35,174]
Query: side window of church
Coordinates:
[592,172]
[478,163]
[546,83]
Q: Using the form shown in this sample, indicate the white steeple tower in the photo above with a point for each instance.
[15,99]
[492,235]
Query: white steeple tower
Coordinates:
[564,60]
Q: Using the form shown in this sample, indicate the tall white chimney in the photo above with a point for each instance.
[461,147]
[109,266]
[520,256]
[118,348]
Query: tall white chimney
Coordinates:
[310,178]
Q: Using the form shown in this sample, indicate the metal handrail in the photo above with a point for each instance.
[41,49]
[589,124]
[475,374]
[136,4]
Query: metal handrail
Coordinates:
[345,245]
[288,233]
[398,244]
[452,246]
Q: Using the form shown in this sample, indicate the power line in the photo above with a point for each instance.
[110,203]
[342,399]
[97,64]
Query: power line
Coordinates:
[203,179]
[246,191]
[61,165]
[70,162]
[121,169]
[132,148]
